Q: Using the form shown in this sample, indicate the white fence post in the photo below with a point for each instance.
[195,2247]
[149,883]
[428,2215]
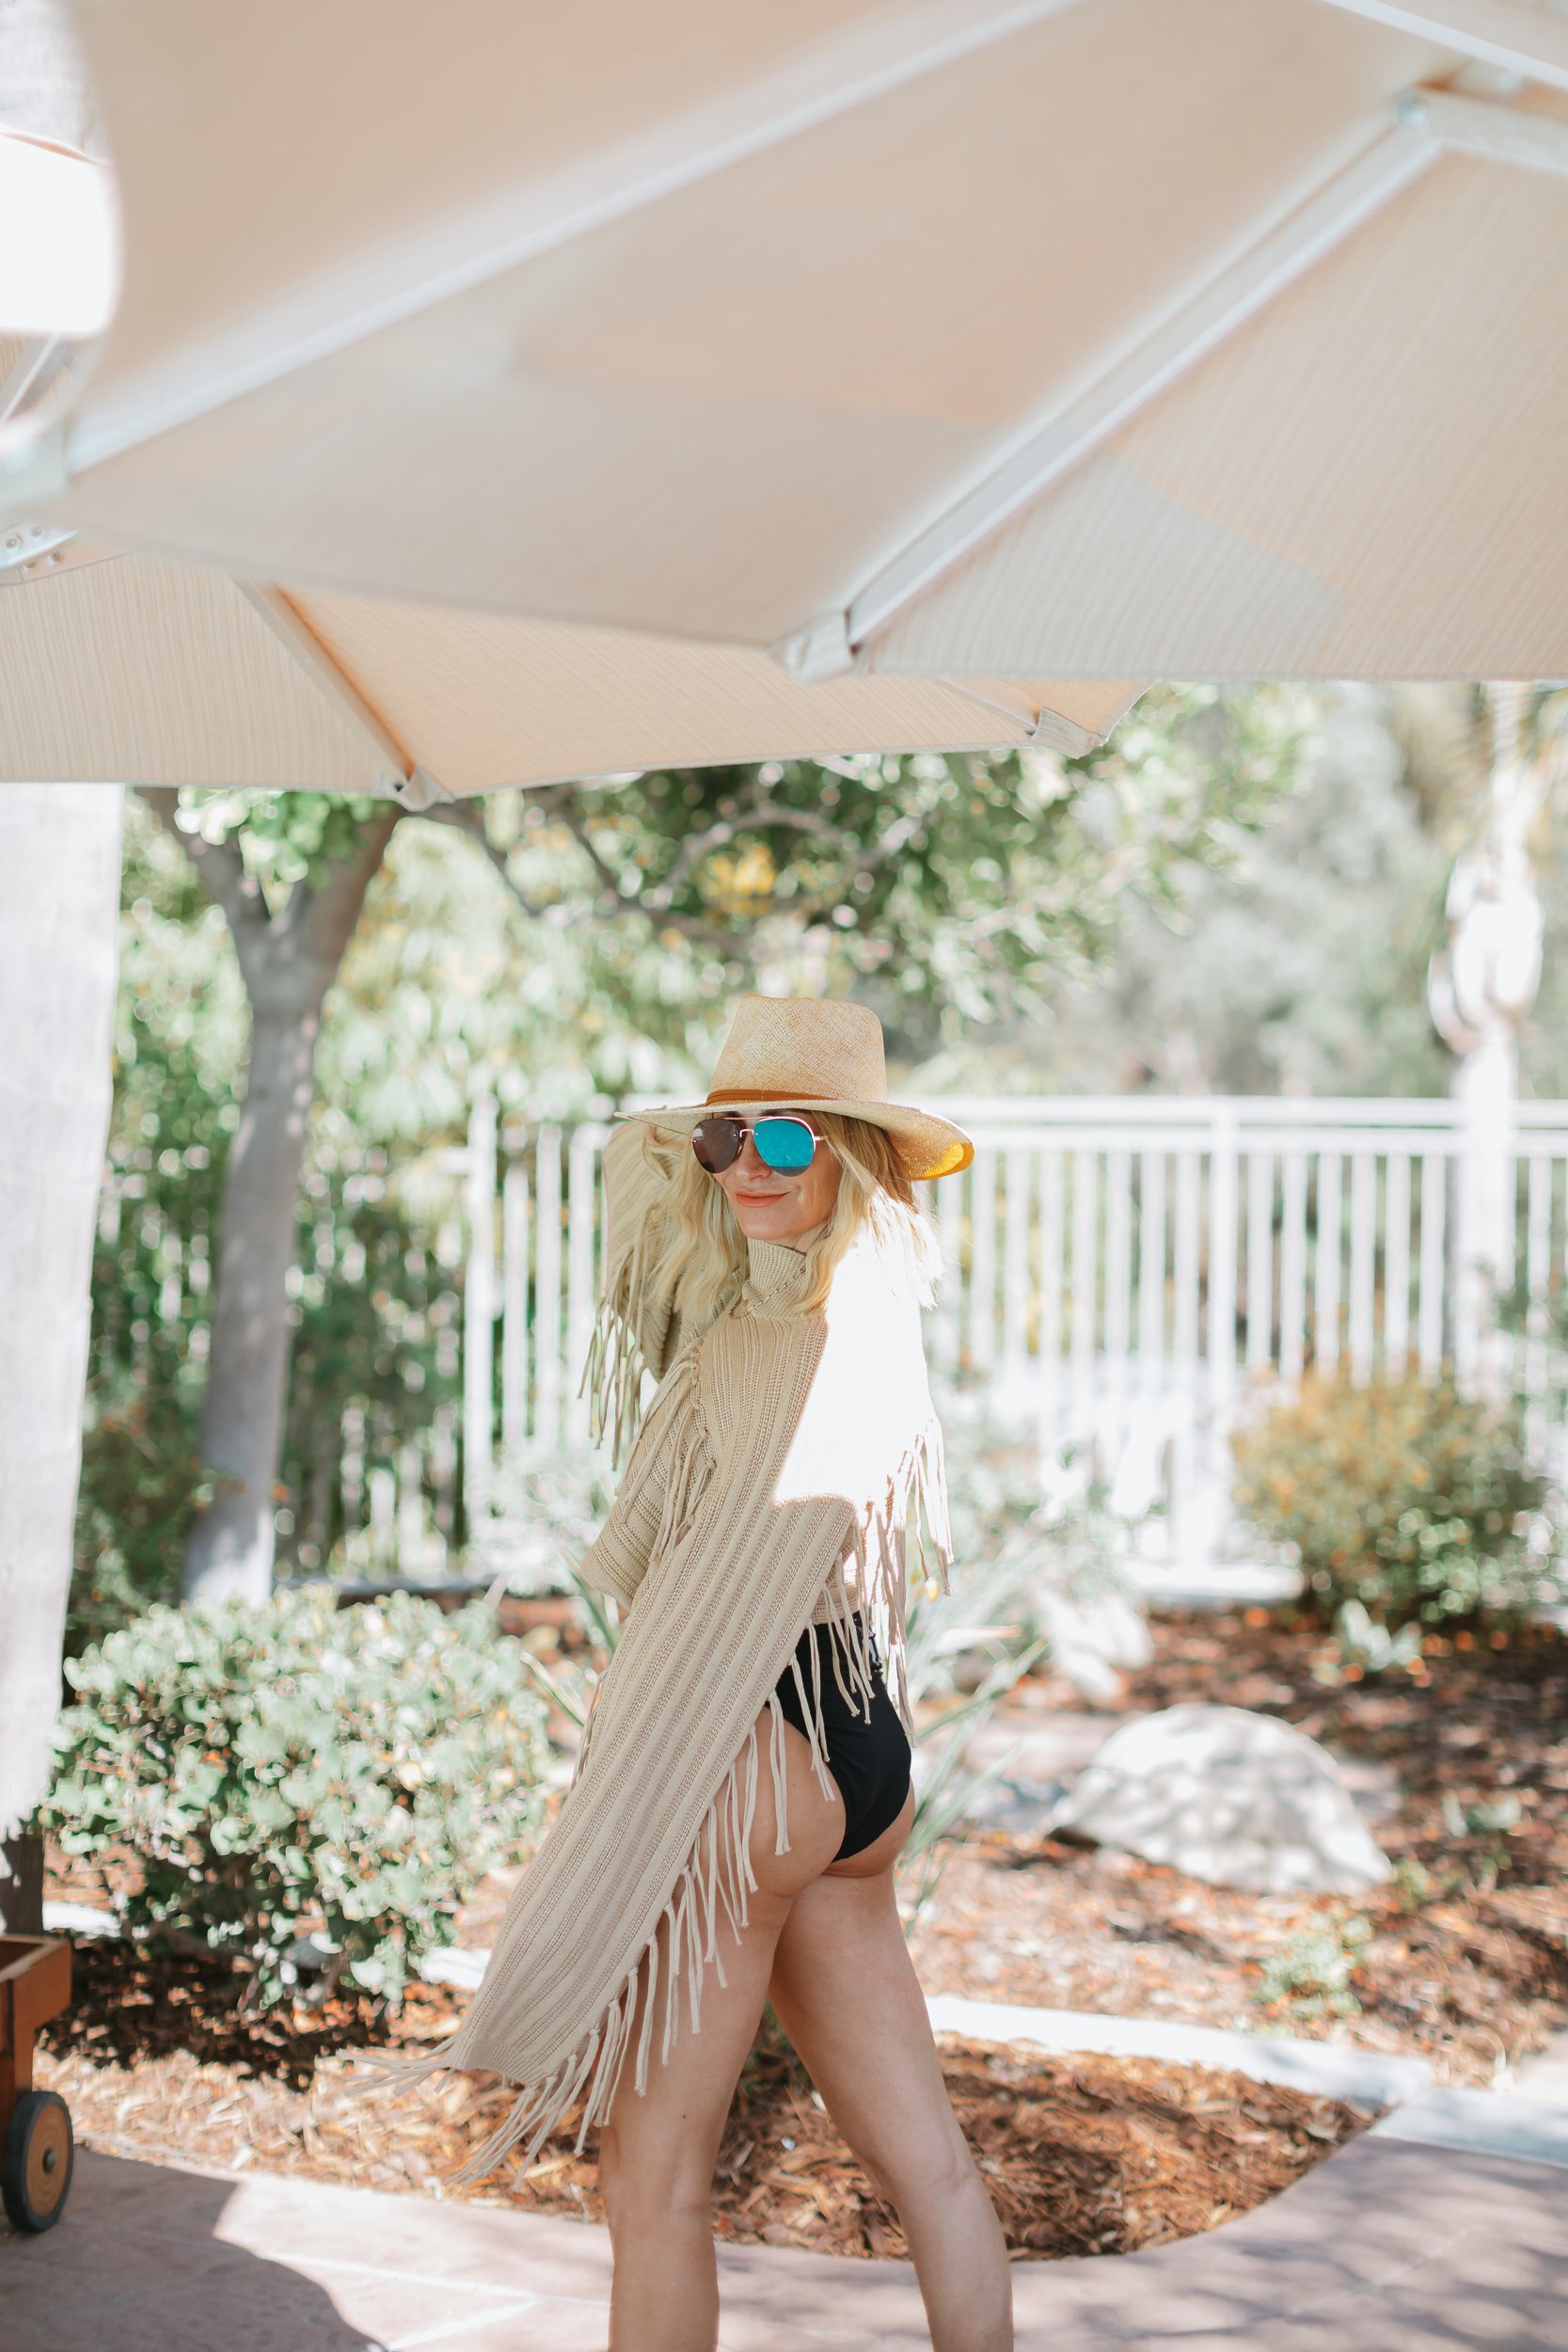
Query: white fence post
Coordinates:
[479,1313]
[1292,1267]
[1326,1320]
[1223,1234]
[1016,1292]
[1051,1385]
[1396,1266]
[1085,1286]
[514,1287]
[546,1287]
[1432,1293]
[982,1262]
[1260,1260]
[1363,1264]
[583,1223]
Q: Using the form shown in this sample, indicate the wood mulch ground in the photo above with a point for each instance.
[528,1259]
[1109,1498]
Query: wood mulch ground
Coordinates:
[1467,1963]
[1081,2155]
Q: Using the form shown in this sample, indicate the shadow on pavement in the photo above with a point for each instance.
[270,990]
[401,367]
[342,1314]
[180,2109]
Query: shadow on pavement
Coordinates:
[136,2264]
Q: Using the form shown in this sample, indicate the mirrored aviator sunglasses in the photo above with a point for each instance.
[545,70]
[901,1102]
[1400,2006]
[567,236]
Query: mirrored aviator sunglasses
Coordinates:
[785,1144]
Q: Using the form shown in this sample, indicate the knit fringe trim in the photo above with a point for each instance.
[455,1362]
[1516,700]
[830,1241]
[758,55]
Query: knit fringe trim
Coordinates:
[712,1890]
[867,1591]
[866,1625]
[612,1377]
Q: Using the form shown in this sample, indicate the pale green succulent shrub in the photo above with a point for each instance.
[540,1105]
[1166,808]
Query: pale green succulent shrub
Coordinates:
[1312,1976]
[300,1768]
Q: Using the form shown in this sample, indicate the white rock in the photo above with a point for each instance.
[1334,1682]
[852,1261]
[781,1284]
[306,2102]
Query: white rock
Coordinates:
[1237,1799]
[1093,1643]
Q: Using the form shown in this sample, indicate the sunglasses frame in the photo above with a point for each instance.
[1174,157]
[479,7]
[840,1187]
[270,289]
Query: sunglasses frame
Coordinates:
[749,1127]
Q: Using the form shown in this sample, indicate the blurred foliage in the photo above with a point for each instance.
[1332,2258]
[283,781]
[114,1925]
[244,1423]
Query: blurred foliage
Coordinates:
[562,947]
[1313,1976]
[1364,1649]
[178,1057]
[1446,737]
[300,1769]
[283,838]
[1418,1503]
[141,1478]
[1299,967]
[946,890]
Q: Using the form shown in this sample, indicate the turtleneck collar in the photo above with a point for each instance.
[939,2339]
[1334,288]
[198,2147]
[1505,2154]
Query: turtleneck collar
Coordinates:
[775,1276]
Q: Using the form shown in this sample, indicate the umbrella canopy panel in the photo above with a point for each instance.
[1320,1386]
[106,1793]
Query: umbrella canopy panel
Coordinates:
[139,672]
[1432,399]
[152,673]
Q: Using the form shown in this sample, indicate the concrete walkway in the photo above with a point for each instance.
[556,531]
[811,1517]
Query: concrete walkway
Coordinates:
[1393,2245]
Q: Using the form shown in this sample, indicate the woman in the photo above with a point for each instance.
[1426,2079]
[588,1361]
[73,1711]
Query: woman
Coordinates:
[743,1789]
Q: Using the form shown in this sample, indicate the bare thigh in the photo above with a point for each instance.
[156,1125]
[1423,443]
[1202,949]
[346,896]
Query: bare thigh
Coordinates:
[660,2147]
[847,1997]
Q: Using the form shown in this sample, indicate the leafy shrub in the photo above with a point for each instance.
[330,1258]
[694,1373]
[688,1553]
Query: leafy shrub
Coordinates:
[1413,1501]
[1311,1977]
[1366,1649]
[141,1479]
[300,1768]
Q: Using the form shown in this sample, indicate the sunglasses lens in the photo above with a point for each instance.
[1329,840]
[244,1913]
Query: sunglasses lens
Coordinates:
[717,1143]
[785,1145]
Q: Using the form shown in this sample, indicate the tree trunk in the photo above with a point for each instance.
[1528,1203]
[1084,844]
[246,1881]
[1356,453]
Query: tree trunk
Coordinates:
[60,877]
[22,1886]
[229,1548]
[289,961]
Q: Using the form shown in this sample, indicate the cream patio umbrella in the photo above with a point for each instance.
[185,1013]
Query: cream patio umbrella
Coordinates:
[966,340]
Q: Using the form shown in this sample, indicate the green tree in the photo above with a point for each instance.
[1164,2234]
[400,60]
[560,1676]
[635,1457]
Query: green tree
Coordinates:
[1300,966]
[290,906]
[949,891]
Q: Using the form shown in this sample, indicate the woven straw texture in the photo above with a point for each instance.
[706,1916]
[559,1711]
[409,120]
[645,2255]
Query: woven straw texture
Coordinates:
[784,1050]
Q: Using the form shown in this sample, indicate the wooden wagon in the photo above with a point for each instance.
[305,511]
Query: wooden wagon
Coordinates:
[36,2142]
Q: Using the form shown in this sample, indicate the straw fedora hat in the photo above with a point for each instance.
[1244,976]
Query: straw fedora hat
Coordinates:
[784,1053]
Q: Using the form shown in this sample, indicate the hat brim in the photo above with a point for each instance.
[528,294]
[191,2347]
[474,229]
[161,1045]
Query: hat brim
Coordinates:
[932,1147]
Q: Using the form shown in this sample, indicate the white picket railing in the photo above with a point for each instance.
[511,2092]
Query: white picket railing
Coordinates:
[1124,1273]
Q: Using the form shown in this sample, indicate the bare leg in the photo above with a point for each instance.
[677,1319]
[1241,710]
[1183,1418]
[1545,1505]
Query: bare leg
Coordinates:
[657,2151]
[847,1994]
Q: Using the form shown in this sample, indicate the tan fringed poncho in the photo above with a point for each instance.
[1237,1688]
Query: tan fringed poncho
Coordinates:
[769,1485]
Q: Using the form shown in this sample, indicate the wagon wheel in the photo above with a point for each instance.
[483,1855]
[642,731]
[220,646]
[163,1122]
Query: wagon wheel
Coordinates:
[35,2160]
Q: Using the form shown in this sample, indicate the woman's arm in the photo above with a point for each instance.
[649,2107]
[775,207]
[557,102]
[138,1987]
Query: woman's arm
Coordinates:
[670,1450]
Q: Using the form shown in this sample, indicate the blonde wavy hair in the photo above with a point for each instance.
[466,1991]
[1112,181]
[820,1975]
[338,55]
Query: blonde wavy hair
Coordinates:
[701,1263]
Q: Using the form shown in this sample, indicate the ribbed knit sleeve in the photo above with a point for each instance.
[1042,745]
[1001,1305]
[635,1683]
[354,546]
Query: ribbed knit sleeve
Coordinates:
[637,1331]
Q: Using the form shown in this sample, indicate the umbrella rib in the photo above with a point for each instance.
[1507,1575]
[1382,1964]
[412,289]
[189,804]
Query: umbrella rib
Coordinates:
[1053,449]
[397,773]
[1499,134]
[1429,123]
[379,287]
[1496,32]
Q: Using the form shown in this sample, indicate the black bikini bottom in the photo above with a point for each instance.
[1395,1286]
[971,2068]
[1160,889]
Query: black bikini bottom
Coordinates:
[870,1760]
